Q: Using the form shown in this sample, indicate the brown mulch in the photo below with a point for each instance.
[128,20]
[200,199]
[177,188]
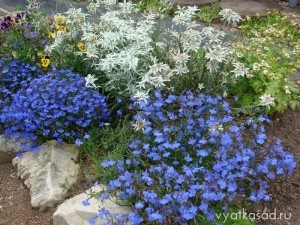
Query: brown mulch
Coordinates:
[15,207]
[285,191]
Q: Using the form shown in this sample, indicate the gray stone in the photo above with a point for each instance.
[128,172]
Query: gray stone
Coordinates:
[44,172]
[48,6]
[250,7]
[73,212]
[3,12]
[8,149]
[192,2]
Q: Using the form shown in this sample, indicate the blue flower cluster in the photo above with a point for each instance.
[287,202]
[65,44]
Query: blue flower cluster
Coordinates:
[54,106]
[13,75]
[191,157]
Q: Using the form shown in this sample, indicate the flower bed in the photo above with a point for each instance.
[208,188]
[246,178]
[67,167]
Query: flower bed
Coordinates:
[182,152]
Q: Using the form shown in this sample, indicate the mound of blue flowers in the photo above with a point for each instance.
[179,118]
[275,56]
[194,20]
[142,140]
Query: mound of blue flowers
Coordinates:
[54,106]
[14,75]
[192,158]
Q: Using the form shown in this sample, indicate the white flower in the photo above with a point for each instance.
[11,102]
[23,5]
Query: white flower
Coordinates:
[90,81]
[33,5]
[266,100]
[158,81]
[239,70]
[207,31]
[180,69]
[200,86]
[180,58]
[91,51]
[141,96]
[139,124]
[184,16]
[191,40]
[158,68]
[212,66]
[218,54]
[107,64]
[92,7]
[229,16]
[109,2]
[216,127]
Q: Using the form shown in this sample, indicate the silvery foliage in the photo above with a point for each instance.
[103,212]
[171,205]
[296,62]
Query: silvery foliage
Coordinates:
[124,51]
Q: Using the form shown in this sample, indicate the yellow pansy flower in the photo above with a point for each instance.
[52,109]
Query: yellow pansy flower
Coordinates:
[52,34]
[45,61]
[59,19]
[63,28]
[81,46]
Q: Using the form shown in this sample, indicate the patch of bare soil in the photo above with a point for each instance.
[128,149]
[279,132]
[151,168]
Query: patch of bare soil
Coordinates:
[285,191]
[15,207]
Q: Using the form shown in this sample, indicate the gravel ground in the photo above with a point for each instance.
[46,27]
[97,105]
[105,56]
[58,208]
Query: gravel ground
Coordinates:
[15,207]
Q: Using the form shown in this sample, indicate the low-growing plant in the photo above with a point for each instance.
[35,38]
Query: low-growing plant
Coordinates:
[275,25]
[156,6]
[21,39]
[106,143]
[209,13]
[229,17]
[57,106]
[14,75]
[129,57]
[261,74]
[64,39]
[190,160]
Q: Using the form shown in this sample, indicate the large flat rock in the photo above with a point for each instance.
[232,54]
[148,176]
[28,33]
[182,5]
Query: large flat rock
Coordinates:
[73,212]
[44,172]
[250,7]
[3,12]
[8,149]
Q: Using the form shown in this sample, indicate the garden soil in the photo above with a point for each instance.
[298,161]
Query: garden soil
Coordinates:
[15,208]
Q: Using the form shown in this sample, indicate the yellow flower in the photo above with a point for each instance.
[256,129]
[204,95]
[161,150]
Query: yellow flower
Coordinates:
[63,28]
[52,34]
[45,61]
[40,54]
[81,46]
[59,19]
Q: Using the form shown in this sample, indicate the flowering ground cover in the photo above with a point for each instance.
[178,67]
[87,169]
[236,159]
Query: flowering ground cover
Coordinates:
[172,120]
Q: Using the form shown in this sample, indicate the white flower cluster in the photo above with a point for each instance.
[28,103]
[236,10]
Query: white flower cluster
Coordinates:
[239,70]
[216,52]
[230,17]
[267,100]
[122,49]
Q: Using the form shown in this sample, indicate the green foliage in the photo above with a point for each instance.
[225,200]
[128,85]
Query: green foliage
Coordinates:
[233,216]
[155,5]
[275,25]
[271,51]
[209,13]
[23,41]
[105,143]
[270,67]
